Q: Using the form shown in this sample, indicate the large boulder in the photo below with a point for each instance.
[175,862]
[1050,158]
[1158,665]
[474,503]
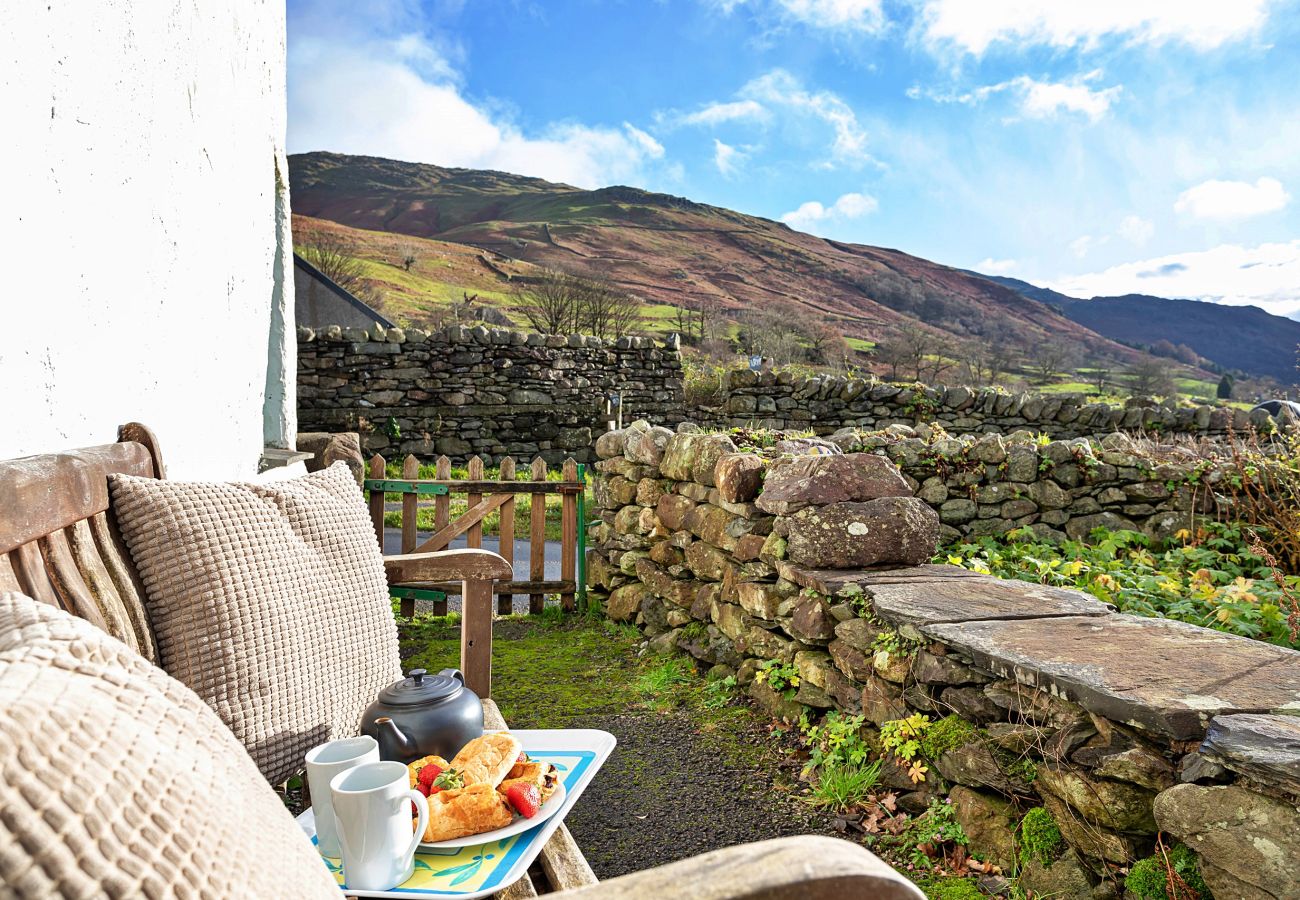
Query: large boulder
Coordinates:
[328,448]
[611,444]
[691,456]
[625,602]
[795,483]
[646,446]
[739,477]
[1248,843]
[900,531]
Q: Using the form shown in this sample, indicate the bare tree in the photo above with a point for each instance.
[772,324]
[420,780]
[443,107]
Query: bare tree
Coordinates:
[549,302]
[334,255]
[986,362]
[1047,358]
[604,309]
[894,354]
[408,257]
[1100,377]
[827,345]
[1151,377]
[773,330]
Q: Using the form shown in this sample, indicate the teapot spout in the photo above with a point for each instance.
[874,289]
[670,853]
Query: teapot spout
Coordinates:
[394,743]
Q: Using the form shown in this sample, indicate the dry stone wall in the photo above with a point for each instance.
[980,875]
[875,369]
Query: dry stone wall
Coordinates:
[490,391]
[990,484]
[1114,727]
[464,391]
[824,404]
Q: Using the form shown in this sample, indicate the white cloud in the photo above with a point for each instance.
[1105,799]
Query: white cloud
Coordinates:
[400,99]
[1202,24]
[716,113]
[1042,99]
[812,214]
[1136,230]
[1037,99]
[1081,245]
[991,266]
[1267,276]
[780,88]
[726,158]
[1231,200]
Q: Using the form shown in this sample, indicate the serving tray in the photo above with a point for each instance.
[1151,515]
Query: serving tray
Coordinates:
[483,869]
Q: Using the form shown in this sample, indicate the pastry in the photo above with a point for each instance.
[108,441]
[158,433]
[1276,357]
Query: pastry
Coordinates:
[465,811]
[487,759]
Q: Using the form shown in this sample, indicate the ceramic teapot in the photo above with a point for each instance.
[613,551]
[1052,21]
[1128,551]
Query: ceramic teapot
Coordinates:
[422,715]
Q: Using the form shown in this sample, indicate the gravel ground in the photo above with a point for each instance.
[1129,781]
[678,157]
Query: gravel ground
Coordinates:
[666,794]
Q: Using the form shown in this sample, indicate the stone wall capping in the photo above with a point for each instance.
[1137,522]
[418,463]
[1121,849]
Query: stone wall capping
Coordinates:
[1160,675]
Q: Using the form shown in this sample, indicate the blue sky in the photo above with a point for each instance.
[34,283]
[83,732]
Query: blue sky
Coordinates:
[1099,147]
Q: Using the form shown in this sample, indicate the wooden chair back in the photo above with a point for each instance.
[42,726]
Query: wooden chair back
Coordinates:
[59,543]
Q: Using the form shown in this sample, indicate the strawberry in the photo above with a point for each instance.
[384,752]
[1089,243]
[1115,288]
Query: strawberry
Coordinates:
[446,781]
[525,798]
[427,774]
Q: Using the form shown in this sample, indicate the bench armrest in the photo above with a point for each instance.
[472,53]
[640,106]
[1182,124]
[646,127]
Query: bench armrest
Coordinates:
[477,570]
[447,565]
[807,866]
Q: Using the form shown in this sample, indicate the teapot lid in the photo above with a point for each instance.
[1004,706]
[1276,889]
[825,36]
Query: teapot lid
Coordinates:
[419,687]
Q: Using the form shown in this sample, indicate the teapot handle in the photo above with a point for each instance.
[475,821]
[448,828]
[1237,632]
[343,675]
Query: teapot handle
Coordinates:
[454,673]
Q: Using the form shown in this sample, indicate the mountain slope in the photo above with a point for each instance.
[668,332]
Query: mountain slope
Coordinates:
[671,250]
[1243,338]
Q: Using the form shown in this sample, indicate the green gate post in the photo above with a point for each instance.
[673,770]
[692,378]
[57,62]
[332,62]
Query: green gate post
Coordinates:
[582,538]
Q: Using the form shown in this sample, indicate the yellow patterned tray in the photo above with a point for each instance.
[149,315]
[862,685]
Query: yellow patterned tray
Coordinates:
[481,870]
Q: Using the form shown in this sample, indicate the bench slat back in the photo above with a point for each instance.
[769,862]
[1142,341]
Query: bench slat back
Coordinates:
[59,543]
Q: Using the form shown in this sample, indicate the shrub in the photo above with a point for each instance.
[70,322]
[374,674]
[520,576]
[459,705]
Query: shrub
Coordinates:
[1040,837]
[835,741]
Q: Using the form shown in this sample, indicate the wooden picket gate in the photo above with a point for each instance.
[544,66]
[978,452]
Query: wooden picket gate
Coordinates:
[483,497]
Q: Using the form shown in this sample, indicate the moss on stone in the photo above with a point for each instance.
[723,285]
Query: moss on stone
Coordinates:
[1149,877]
[951,889]
[948,733]
[1040,837]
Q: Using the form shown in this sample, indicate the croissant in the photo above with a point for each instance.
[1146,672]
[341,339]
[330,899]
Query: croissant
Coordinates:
[465,811]
[487,759]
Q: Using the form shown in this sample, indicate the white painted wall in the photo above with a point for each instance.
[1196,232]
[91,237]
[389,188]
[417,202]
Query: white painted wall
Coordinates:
[145,225]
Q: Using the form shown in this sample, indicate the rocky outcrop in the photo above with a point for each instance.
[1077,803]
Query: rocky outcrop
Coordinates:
[898,531]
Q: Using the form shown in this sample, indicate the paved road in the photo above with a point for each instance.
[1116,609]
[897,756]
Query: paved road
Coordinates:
[523,556]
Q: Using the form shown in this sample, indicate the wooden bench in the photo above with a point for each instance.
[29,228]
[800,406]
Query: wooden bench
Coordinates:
[60,545]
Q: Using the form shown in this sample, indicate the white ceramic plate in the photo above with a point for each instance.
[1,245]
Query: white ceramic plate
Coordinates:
[520,824]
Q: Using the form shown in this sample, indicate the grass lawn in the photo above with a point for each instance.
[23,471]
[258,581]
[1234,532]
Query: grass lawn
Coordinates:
[698,765]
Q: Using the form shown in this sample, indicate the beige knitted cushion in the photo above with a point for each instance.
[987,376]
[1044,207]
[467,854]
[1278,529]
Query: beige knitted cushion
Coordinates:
[269,600]
[117,781]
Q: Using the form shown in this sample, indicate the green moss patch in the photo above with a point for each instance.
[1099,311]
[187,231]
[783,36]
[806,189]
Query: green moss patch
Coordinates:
[1040,837]
[948,733]
[1149,878]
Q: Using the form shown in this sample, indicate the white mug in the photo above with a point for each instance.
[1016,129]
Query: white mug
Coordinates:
[373,815]
[323,763]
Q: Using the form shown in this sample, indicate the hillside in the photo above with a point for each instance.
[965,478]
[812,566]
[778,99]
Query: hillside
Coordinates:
[442,272]
[1241,338]
[671,250]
